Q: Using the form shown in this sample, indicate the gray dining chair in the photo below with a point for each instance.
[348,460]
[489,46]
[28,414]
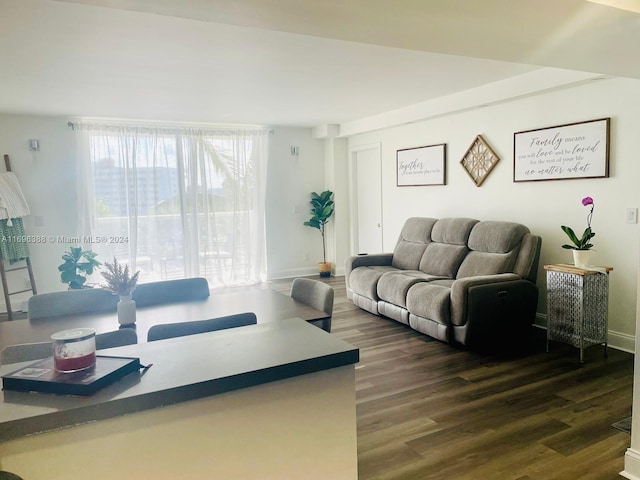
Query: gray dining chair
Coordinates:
[23,352]
[170,291]
[70,302]
[182,329]
[316,294]
[116,338]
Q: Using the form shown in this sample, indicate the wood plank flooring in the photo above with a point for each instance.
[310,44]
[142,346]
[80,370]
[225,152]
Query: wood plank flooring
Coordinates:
[429,410]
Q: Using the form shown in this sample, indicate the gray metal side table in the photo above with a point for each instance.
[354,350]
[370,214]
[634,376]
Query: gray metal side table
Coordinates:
[577,305]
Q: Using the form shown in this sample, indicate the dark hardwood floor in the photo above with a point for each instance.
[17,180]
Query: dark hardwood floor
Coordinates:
[429,410]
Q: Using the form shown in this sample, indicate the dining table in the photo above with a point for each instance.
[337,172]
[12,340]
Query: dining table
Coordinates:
[268,305]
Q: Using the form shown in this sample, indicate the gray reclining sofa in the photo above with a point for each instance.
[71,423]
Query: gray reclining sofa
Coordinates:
[455,279]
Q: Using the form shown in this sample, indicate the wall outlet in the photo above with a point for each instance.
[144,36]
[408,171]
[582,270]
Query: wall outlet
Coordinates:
[632,215]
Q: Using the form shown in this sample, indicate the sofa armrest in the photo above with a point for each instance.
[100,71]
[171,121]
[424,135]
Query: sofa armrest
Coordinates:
[367,260]
[460,289]
[492,310]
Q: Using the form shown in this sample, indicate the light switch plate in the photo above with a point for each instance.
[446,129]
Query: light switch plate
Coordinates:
[632,215]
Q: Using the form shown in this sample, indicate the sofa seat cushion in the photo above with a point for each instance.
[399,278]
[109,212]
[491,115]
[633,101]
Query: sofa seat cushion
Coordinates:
[432,301]
[445,283]
[364,280]
[393,286]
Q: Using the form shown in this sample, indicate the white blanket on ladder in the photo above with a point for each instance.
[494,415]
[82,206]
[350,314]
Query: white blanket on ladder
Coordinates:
[12,201]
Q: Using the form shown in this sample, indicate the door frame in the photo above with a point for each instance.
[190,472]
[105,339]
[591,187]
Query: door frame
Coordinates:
[353,189]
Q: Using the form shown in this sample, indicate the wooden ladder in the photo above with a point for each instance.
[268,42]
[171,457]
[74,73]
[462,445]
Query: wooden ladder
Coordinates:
[4,271]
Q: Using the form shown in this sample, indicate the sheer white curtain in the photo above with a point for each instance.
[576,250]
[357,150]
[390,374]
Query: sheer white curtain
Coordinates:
[175,201]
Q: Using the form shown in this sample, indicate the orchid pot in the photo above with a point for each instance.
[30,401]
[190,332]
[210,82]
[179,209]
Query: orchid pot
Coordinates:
[581,246]
[581,258]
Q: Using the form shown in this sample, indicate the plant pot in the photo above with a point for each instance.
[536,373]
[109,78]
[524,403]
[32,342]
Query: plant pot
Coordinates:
[581,257]
[325,269]
[126,310]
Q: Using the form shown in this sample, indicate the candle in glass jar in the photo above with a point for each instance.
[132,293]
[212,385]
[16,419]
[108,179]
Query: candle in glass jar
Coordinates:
[74,349]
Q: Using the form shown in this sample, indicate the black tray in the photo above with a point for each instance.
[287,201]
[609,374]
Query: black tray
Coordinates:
[41,376]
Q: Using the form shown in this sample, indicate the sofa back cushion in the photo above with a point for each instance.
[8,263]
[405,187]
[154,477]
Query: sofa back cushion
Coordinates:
[448,246]
[414,238]
[494,247]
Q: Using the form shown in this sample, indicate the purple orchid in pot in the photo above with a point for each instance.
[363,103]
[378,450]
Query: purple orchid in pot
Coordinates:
[581,246]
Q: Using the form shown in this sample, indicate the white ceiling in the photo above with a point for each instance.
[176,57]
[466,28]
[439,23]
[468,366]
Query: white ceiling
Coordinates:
[289,62]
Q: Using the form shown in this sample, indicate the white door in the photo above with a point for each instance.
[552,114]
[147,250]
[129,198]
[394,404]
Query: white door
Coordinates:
[366,188]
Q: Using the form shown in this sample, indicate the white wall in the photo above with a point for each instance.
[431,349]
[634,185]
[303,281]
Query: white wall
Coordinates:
[292,248]
[542,206]
[48,182]
[337,180]
[48,179]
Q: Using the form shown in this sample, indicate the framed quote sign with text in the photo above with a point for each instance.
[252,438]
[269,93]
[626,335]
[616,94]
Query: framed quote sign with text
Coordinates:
[575,150]
[421,166]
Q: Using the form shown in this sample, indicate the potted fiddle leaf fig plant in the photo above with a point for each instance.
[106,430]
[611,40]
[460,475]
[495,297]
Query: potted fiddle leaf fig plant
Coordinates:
[120,282]
[78,264]
[322,207]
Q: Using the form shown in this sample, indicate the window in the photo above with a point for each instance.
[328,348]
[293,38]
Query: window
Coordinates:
[176,202]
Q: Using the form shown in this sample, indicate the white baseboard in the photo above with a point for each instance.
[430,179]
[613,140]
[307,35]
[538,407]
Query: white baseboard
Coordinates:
[617,340]
[294,272]
[302,272]
[631,465]
[17,305]
[622,341]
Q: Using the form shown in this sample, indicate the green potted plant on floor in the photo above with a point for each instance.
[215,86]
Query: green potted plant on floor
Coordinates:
[78,264]
[322,207]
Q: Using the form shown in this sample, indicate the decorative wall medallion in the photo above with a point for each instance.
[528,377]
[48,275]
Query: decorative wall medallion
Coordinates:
[479,160]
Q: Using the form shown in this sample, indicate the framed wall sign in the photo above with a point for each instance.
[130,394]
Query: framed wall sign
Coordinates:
[421,166]
[574,150]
